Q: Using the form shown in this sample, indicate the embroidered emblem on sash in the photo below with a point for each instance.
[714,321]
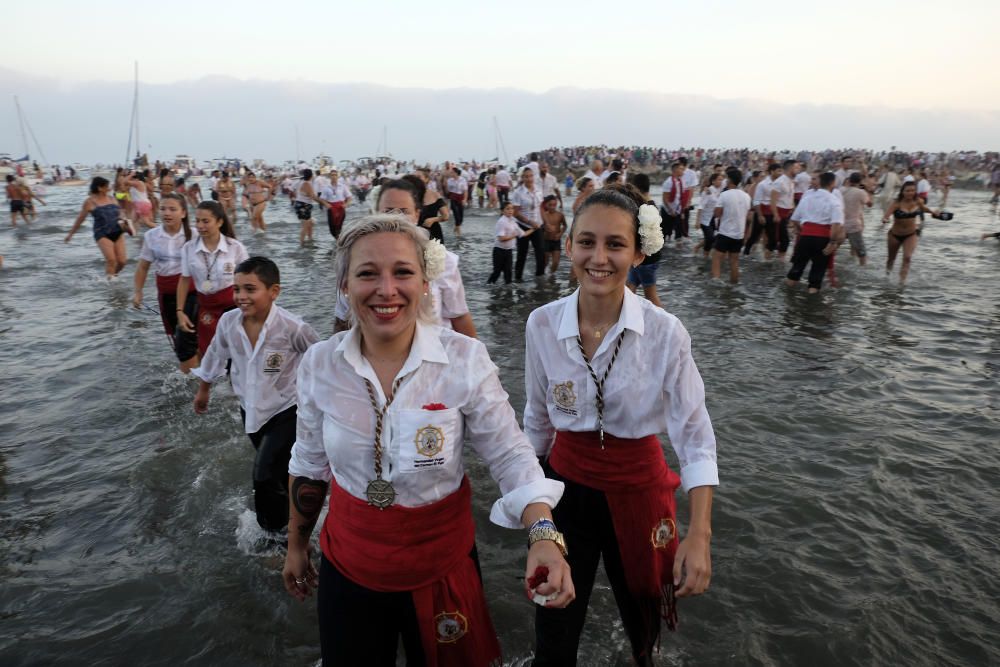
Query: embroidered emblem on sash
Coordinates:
[206,318]
[429,441]
[663,533]
[272,364]
[565,398]
[450,627]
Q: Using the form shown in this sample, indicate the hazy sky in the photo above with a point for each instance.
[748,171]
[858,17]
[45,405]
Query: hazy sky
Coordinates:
[236,78]
[914,53]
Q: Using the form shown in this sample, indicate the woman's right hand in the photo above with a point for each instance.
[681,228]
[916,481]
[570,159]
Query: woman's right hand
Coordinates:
[137,300]
[184,323]
[299,574]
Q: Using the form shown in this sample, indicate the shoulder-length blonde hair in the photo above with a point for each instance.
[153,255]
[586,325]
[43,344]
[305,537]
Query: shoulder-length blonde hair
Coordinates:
[377,224]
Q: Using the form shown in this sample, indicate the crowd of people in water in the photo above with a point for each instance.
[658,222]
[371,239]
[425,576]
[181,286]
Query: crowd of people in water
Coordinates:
[373,421]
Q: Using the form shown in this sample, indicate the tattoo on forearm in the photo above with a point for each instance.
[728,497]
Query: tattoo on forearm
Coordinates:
[308,496]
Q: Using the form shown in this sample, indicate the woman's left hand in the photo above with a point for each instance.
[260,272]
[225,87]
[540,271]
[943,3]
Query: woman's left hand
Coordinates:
[545,553]
[694,561]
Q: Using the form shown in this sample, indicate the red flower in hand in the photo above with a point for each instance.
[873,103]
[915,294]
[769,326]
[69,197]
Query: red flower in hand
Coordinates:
[434,406]
[540,576]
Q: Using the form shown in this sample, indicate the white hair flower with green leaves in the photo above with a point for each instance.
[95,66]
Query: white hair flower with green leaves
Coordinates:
[650,233]
[434,258]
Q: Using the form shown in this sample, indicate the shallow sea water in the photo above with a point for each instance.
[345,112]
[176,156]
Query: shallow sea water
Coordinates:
[858,450]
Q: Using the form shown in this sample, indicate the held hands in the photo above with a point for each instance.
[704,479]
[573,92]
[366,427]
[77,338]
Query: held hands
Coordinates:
[693,565]
[299,574]
[545,554]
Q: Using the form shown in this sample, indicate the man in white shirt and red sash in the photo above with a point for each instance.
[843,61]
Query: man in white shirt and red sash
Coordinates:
[820,217]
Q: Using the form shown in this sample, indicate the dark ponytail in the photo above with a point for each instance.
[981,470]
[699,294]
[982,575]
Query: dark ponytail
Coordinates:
[219,213]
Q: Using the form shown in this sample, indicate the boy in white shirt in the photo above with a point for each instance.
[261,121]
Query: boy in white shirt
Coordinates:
[264,344]
[731,211]
[507,231]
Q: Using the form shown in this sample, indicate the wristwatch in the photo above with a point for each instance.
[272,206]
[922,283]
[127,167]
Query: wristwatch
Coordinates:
[543,529]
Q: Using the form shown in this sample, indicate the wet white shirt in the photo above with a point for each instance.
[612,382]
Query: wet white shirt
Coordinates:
[673,195]
[218,266]
[785,188]
[735,205]
[422,446]
[597,178]
[803,181]
[448,292]
[459,185]
[762,193]
[503,179]
[923,186]
[263,376]
[689,179]
[163,251]
[656,352]
[550,185]
[506,227]
[335,193]
[529,203]
[821,207]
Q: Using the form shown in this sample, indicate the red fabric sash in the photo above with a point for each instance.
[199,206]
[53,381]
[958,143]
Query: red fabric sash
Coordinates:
[458,197]
[765,210]
[815,229]
[640,490]
[424,550]
[210,309]
[798,197]
[336,213]
[166,285]
[785,213]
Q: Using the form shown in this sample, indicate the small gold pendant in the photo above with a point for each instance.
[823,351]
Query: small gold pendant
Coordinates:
[597,334]
[380,493]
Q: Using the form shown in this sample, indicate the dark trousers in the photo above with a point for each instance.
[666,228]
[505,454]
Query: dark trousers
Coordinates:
[185,343]
[756,229]
[536,242]
[671,224]
[457,211]
[585,520]
[685,221]
[503,196]
[708,232]
[502,261]
[273,443]
[777,233]
[359,627]
[809,249]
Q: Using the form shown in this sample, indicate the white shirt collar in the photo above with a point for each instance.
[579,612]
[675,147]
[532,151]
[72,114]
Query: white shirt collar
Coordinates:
[630,317]
[222,247]
[426,347]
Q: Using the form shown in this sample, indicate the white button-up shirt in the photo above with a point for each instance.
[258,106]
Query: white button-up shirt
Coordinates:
[529,203]
[821,207]
[762,193]
[263,376]
[785,188]
[653,387]
[803,181]
[450,389]
[163,251]
[218,266]
[448,292]
[335,193]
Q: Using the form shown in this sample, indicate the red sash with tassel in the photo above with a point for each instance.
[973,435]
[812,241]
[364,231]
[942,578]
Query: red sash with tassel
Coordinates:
[166,285]
[210,309]
[424,550]
[640,489]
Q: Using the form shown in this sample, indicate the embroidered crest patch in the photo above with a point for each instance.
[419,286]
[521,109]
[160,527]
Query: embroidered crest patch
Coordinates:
[565,397]
[206,318]
[272,364]
[228,267]
[429,441]
[663,533]
[450,626]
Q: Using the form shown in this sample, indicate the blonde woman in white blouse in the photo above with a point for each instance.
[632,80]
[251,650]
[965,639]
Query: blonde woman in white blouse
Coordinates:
[384,409]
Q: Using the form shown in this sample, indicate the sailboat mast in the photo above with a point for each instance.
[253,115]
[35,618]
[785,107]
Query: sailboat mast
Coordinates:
[20,121]
[135,103]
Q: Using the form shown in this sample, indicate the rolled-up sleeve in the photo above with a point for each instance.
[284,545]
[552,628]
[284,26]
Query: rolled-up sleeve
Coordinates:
[492,428]
[537,426]
[309,457]
[213,364]
[688,423]
[453,302]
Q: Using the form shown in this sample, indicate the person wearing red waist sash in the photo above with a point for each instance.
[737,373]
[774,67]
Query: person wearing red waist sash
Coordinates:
[161,251]
[457,188]
[820,221]
[383,411]
[338,195]
[209,263]
[605,372]
[783,204]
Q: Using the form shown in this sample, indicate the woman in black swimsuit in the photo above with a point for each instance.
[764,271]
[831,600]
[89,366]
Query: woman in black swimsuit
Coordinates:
[905,230]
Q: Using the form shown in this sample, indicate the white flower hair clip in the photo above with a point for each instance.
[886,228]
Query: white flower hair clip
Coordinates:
[650,233]
[435,255]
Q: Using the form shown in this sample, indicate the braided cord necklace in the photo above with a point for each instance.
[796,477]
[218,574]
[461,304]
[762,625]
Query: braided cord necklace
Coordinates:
[600,383]
[380,493]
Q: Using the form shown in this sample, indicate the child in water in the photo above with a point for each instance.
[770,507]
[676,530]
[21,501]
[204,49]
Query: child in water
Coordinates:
[264,342]
[504,238]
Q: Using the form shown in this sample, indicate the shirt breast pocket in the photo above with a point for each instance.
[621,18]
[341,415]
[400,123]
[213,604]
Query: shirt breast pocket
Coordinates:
[428,439]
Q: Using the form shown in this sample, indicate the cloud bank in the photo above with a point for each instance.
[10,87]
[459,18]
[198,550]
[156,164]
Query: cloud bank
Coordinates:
[215,116]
